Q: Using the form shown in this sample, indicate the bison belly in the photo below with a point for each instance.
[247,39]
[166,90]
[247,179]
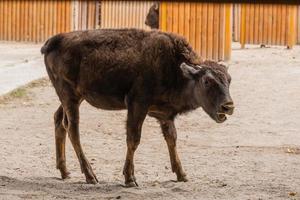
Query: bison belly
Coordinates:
[106,90]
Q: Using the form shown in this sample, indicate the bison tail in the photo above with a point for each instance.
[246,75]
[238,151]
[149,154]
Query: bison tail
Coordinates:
[52,43]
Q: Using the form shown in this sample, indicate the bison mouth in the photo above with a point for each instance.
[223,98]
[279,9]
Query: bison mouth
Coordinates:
[220,117]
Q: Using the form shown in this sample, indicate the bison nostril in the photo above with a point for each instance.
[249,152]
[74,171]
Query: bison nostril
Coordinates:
[228,107]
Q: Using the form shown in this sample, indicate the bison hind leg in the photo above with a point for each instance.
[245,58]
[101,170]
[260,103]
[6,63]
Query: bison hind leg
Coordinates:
[60,142]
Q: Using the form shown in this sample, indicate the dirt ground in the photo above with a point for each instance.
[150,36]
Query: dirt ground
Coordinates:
[255,154]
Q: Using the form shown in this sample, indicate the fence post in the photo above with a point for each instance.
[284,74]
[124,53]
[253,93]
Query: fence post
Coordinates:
[228,32]
[291,30]
[163,16]
[242,26]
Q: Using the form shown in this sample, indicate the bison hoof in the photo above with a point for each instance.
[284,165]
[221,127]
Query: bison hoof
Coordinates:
[131,184]
[65,175]
[92,180]
[182,179]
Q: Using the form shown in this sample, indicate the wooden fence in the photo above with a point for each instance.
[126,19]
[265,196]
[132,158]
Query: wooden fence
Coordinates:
[298,25]
[120,14]
[33,20]
[86,14]
[236,16]
[268,24]
[207,26]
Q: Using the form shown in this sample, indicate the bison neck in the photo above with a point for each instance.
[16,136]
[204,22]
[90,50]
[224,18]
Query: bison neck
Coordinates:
[185,99]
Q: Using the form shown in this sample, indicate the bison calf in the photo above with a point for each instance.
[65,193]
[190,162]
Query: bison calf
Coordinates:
[146,72]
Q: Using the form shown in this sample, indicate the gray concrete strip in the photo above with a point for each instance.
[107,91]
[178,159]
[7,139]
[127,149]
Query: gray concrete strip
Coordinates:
[20,63]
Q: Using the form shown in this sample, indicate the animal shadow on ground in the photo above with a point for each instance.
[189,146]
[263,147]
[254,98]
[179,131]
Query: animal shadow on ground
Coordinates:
[41,187]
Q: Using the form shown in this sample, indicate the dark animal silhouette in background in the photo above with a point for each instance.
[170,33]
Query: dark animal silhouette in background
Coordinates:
[152,18]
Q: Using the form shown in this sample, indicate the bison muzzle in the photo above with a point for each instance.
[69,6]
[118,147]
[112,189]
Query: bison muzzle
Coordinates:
[146,72]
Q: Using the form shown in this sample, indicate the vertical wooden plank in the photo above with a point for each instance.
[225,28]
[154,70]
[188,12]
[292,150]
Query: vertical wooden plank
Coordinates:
[279,13]
[63,16]
[274,25]
[193,25]
[34,19]
[113,14]
[282,24]
[126,17]
[1,19]
[278,22]
[51,17]
[30,21]
[198,27]
[102,11]
[80,14]
[4,19]
[187,9]
[54,17]
[256,24]
[228,33]
[10,20]
[26,15]
[251,24]
[46,19]
[163,16]
[181,17]
[22,16]
[243,26]
[204,30]
[37,19]
[247,22]
[57,20]
[118,8]
[216,34]
[42,22]
[169,16]
[265,24]
[222,31]
[260,24]
[210,31]
[175,18]
[18,20]
[291,30]
[13,20]
[69,16]
[298,24]
[269,21]
[12,24]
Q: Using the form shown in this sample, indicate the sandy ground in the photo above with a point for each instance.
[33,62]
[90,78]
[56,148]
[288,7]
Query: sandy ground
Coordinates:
[20,64]
[253,155]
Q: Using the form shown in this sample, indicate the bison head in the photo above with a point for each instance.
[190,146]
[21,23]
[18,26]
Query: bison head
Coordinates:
[152,17]
[209,83]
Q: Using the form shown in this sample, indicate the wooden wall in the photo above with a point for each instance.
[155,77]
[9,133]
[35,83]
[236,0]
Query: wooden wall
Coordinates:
[268,24]
[86,14]
[298,25]
[120,14]
[236,17]
[207,26]
[34,20]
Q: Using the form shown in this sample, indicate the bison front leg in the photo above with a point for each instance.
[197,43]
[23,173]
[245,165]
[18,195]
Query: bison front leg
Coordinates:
[169,132]
[135,118]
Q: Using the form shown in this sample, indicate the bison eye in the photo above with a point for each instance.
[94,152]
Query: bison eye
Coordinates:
[208,81]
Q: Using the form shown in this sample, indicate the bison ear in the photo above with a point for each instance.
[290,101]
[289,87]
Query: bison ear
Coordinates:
[156,6]
[191,72]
